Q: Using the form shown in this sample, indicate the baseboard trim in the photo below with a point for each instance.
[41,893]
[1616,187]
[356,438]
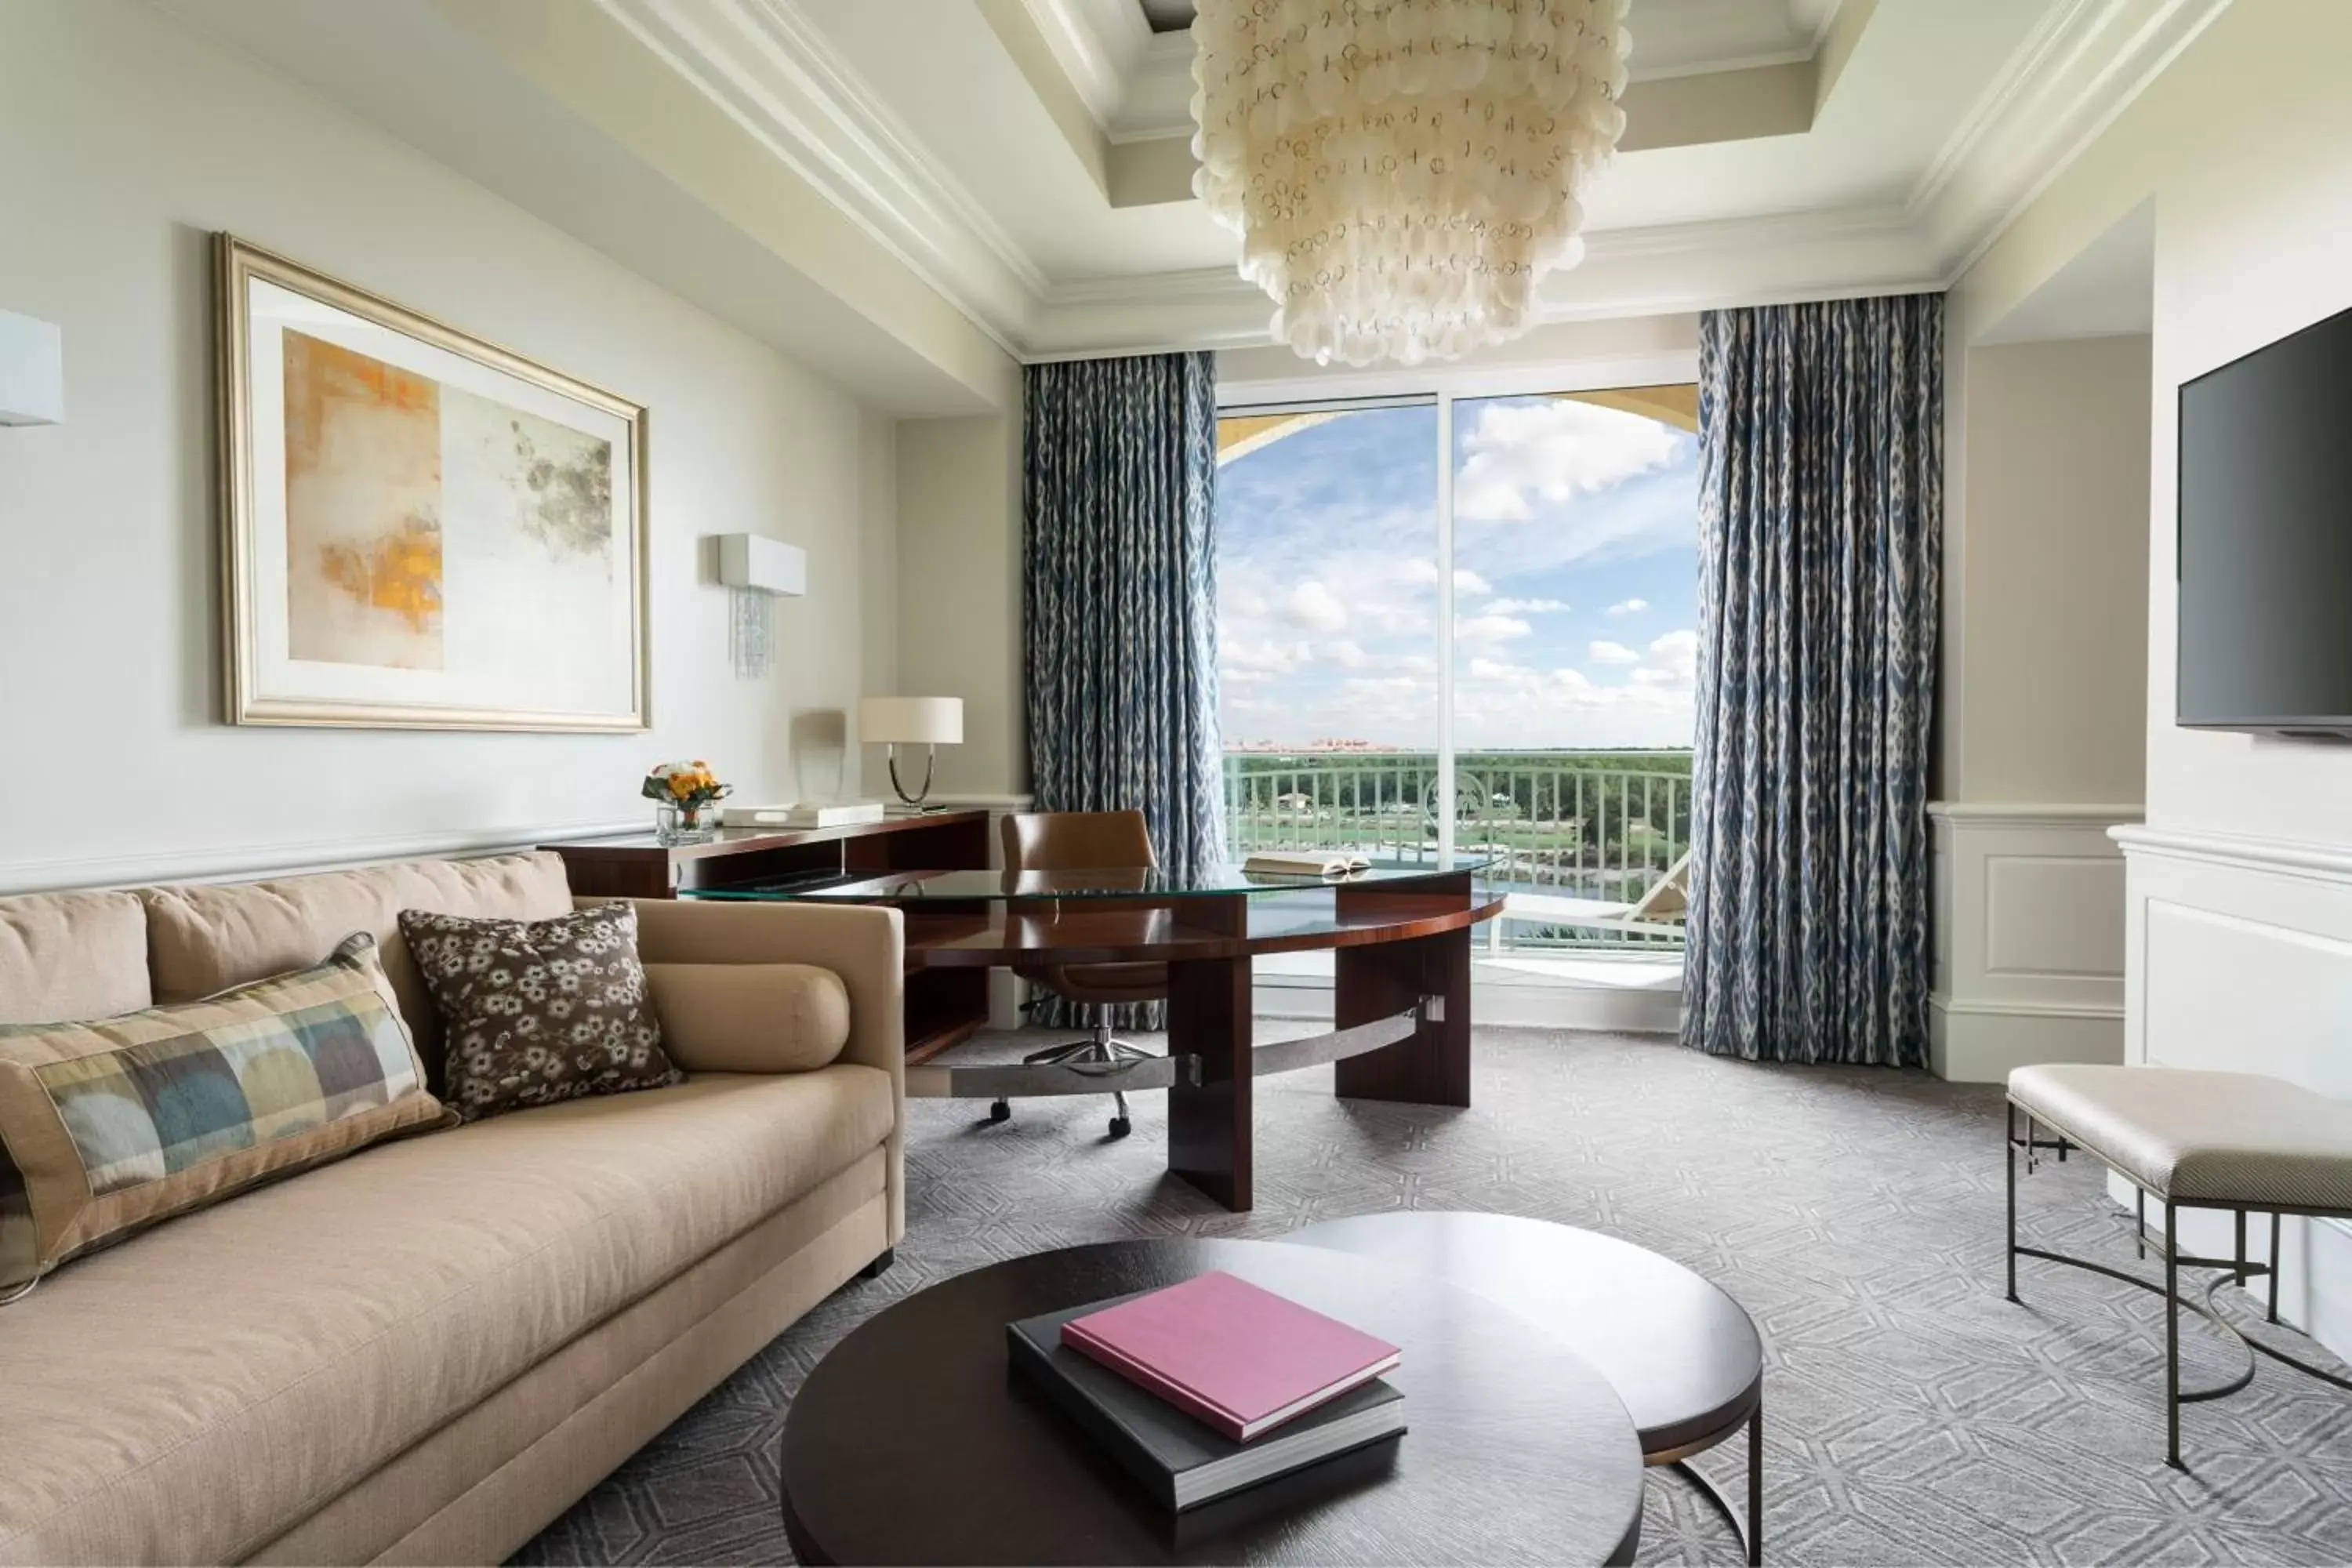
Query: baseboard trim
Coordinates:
[1983,1042]
[245,862]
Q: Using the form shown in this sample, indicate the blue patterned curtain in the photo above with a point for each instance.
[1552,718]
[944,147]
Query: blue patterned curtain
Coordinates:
[1121,590]
[1821,528]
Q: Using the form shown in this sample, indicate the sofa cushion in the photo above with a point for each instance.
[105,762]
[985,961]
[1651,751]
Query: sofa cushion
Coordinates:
[205,939]
[192,1393]
[73,955]
[111,1125]
[749,1017]
[534,1012]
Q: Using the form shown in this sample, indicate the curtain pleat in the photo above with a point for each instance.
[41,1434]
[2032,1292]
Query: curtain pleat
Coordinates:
[1821,529]
[1120,600]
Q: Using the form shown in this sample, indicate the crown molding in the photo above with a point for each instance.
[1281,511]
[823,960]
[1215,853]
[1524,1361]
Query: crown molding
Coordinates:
[768,67]
[1097,43]
[2086,62]
[1156,98]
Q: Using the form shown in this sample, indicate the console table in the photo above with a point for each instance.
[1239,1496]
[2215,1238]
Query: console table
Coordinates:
[943,1006]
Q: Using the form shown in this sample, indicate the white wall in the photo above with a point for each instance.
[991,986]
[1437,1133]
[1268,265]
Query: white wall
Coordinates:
[2238,946]
[133,137]
[960,594]
[2053,548]
[2042,713]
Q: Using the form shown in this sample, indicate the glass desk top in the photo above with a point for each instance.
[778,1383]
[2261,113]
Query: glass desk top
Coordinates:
[982,887]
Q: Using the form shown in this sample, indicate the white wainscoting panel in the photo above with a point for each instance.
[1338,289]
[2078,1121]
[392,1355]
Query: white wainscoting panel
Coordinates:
[2239,954]
[2028,937]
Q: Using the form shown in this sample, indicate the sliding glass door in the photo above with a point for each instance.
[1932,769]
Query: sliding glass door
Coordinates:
[1472,622]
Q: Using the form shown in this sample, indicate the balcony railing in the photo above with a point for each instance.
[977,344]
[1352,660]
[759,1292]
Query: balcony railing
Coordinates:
[1599,825]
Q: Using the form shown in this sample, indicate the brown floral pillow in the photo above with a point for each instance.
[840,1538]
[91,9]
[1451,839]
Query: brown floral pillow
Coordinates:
[539,1011]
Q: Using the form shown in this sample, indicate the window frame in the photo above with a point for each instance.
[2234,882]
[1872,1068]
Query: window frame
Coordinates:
[1442,386]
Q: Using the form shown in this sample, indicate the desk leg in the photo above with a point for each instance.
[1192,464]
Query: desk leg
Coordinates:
[1382,979]
[1209,1125]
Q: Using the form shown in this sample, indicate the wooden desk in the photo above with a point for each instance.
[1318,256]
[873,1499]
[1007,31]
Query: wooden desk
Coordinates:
[943,1006]
[1401,956]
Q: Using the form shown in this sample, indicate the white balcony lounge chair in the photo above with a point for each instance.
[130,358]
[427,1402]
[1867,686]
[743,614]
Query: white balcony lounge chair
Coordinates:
[1658,912]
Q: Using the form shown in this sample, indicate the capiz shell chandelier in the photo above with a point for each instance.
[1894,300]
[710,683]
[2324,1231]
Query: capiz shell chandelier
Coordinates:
[1402,172]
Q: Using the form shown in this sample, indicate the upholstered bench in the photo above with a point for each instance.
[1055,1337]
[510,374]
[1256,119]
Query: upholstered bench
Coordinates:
[2236,1142]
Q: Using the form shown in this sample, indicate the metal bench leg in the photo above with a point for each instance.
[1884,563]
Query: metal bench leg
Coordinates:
[2172,1337]
[2274,1265]
[2241,1248]
[2009,1151]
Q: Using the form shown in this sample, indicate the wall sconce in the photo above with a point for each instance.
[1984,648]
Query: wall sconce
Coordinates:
[756,571]
[32,371]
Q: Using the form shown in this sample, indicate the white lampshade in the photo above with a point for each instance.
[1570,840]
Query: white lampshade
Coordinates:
[935,720]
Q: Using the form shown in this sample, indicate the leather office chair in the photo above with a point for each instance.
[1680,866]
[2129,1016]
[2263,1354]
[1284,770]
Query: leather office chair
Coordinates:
[1086,841]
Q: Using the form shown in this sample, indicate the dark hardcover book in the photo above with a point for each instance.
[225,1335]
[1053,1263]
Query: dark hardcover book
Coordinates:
[1178,1460]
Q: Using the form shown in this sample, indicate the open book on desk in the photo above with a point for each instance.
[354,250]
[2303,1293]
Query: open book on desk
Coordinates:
[1305,863]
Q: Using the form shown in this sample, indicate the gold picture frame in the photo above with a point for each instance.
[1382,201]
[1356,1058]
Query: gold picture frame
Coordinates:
[420,530]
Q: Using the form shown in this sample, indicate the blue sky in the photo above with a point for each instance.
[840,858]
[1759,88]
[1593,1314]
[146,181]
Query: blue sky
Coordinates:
[1576,579]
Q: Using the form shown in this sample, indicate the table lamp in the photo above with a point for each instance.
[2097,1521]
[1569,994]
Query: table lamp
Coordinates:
[928,721]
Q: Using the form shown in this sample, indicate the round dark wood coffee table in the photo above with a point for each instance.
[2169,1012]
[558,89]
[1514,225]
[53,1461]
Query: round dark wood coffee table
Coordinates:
[915,1441]
[1682,1355]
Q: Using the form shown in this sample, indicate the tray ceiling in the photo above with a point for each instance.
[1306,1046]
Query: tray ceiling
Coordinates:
[1029,160]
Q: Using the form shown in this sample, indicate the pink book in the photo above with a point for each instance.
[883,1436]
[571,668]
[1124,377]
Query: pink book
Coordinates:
[1241,1358]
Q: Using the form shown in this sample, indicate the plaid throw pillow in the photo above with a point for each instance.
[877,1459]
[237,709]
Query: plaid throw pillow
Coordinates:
[108,1126]
[539,1011]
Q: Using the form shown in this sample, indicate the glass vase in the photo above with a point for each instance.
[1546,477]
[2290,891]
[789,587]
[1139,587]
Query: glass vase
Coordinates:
[676,825]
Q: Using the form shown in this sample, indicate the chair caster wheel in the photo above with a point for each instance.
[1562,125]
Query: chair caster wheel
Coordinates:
[1121,1127]
[1000,1112]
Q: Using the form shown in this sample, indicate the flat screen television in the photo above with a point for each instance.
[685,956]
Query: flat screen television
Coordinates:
[2265,519]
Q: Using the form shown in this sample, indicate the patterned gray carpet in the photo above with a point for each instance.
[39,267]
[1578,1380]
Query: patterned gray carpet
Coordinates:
[1914,1416]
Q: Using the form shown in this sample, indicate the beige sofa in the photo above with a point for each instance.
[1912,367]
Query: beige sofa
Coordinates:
[426,1352]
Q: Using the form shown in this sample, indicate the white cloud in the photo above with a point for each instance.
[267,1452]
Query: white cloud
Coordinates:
[1349,654]
[1611,653]
[1315,607]
[1420,572]
[1514,705]
[1260,658]
[1388,687]
[1526,607]
[1676,657]
[1523,455]
[1629,606]
[1487,630]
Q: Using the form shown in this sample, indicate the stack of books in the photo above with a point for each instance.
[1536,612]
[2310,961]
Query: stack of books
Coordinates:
[1211,1385]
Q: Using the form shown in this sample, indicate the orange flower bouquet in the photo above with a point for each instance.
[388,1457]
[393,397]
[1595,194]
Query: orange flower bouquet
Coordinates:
[687,795]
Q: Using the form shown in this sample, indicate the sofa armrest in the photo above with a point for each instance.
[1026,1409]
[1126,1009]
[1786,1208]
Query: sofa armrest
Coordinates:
[864,946]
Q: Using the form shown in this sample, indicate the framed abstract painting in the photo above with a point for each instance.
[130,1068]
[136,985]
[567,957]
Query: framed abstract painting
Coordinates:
[420,530]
